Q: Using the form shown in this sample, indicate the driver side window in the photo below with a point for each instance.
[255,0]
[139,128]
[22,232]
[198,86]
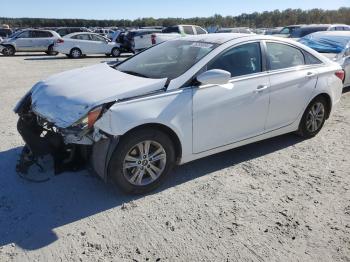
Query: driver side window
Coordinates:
[242,60]
[25,34]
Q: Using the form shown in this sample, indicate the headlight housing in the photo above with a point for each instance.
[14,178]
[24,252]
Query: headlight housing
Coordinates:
[90,119]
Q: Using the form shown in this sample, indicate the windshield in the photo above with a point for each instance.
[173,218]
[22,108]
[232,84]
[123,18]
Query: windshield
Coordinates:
[15,33]
[167,60]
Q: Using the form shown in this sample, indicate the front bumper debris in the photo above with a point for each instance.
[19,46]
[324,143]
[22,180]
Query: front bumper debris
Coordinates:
[43,139]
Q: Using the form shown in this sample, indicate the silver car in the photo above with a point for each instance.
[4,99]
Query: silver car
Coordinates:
[333,44]
[29,40]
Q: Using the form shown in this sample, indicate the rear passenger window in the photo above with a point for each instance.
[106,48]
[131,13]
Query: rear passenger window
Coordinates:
[200,31]
[283,56]
[188,30]
[242,60]
[311,60]
[41,34]
[82,37]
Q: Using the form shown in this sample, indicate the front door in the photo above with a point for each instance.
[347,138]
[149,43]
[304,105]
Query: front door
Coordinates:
[225,114]
[24,41]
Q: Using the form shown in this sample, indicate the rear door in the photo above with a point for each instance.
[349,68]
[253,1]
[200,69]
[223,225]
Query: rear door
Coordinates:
[42,40]
[292,82]
[98,45]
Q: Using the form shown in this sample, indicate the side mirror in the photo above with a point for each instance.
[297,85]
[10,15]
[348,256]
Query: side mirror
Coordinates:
[214,77]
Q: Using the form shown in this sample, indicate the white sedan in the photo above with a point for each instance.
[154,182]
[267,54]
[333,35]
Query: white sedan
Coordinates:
[79,44]
[176,102]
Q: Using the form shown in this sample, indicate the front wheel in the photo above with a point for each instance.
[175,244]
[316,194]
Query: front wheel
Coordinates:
[8,51]
[76,53]
[314,118]
[141,161]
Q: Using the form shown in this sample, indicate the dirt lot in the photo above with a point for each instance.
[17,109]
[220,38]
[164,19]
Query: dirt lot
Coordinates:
[284,199]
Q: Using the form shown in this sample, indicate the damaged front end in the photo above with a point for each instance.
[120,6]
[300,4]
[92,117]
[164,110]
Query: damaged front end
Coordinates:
[70,147]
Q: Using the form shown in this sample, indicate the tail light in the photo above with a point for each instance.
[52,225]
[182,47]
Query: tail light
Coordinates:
[340,74]
[59,41]
[153,39]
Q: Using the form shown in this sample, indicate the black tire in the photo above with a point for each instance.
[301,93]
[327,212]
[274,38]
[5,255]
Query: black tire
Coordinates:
[75,53]
[127,143]
[8,51]
[308,130]
[50,51]
[115,52]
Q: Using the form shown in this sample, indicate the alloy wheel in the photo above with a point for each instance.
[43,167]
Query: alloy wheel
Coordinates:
[315,117]
[144,163]
[8,51]
[76,53]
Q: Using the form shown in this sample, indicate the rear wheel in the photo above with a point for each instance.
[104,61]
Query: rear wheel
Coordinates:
[314,117]
[50,51]
[115,52]
[8,51]
[141,161]
[76,53]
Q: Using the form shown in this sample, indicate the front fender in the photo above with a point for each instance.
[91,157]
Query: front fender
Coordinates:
[171,109]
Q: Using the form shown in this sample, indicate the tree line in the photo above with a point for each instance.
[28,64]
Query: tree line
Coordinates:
[254,20]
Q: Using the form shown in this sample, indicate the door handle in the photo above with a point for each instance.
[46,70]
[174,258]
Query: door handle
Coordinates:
[260,88]
[310,74]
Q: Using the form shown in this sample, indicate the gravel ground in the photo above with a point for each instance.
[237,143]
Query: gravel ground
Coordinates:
[284,199]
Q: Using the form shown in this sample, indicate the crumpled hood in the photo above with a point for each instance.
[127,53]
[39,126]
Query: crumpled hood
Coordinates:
[64,98]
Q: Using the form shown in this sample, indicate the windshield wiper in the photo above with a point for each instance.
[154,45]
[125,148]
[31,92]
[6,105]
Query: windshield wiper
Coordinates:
[134,73]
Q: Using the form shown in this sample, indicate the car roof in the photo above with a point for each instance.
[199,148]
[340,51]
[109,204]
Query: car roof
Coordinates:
[145,30]
[222,38]
[82,33]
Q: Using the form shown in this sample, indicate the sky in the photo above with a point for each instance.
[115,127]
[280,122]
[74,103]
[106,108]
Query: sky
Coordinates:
[131,9]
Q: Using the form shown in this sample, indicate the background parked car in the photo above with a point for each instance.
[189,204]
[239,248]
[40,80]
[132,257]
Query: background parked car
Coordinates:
[5,32]
[108,33]
[173,32]
[78,44]
[62,31]
[137,40]
[334,45]
[273,31]
[298,31]
[30,40]
[241,30]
